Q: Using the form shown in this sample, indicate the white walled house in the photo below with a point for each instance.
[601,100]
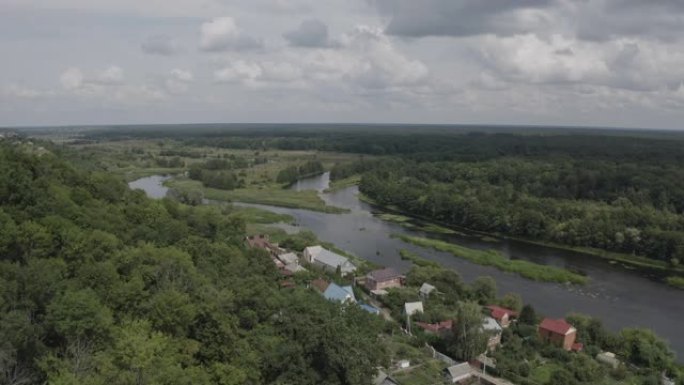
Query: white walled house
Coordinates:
[318,256]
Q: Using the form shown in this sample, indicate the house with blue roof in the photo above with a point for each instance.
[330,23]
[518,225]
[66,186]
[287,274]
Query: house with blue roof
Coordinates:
[342,294]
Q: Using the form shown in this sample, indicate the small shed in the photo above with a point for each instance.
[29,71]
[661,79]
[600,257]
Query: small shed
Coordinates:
[289,258]
[459,373]
[609,359]
[411,308]
[426,289]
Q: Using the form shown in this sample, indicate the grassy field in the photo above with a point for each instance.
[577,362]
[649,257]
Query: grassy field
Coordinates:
[416,259]
[627,260]
[275,196]
[135,159]
[493,258]
[259,216]
[336,185]
[677,282]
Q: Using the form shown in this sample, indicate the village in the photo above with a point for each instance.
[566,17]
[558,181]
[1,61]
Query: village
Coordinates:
[383,291]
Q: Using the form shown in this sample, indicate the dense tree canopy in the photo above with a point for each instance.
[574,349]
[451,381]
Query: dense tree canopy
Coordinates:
[101,285]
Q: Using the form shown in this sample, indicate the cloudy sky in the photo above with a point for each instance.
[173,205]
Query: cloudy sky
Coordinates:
[561,62]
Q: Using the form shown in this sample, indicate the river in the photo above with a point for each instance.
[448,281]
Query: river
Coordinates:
[619,297]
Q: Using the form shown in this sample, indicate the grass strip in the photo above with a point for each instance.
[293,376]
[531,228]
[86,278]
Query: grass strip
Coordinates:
[493,258]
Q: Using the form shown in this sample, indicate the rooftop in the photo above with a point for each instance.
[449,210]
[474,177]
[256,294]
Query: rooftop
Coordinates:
[385,274]
[412,308]
[498,312]
[557,326]
[327,257]
[458,371]
[426,288]
[335,292]
[436,327]
[489,324]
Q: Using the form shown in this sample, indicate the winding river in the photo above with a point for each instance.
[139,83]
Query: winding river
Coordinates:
[619,297]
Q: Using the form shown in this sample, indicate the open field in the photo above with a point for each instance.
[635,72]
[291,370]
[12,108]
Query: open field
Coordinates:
[275,196]
[133,159]
[525,269]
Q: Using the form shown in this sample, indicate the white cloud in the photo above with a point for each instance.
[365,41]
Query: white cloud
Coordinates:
[112,75]
[238,71]
[223,34]
[72,78]
[178,81]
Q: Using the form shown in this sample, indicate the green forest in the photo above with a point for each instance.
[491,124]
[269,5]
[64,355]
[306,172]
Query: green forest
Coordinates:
[615,190]
[101,285]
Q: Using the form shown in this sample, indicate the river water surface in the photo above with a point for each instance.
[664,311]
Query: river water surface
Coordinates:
[619,297]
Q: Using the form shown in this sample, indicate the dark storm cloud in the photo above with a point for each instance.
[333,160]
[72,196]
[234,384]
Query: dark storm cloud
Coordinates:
[610,19]
[159,45]
[410,18]
[310,33]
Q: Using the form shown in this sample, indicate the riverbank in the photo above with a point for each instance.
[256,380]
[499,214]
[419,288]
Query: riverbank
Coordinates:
[395,215]
[274,196]
[493,258]
[337,185]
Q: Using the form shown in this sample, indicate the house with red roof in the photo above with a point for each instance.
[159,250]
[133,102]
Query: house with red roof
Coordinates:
[559,332]
[384,279]
[502,315]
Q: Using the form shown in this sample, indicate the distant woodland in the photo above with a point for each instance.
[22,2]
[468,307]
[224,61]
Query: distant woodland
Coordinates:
[619,191]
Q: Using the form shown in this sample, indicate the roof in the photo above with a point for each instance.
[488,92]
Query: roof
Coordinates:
[293,267]
[327,257]
[436,327]
[385,274]
[380,292]
[413,307]
[313,250]
[426,288]
[489,324]
[320,284]
[383,378]
[369,308]
[556,326]
[335,292]
[459,371]
[288,258]
[499,312]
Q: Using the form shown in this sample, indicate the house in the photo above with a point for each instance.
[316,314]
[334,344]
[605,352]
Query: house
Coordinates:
[411,308]
[459,374]
[338,293]
[289,258]
[502,315]
[558,332]
[609,359]
[384,279]
[262,241]
[439,328]
[425,290]
[383,378]
[494,330]
[318,256]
